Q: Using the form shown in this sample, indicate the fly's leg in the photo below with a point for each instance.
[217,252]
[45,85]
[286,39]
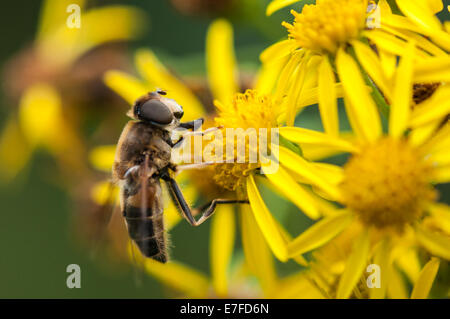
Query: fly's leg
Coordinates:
[201,133]
[206,210]
[191,124]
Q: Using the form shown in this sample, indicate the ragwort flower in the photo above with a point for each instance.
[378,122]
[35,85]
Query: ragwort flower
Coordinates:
[387,185]
[364,29]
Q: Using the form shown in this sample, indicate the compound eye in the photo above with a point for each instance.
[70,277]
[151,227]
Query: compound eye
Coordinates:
[178,114]
[156,111]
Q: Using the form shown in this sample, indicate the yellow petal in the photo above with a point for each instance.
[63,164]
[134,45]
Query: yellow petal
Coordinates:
[382,259]
[390,43]
[319,234]
[54,15]
[286,74]
[441,175]
[441,212]
[372,65]
[265,221]
[305,136]
[276,5]
[179,277]
[401,101]
[297,286]
[435,5]
[310,96]
[441,158]
[432,69]
[14,150]
[362,107]
[308,171]
[221,248]
[396,288]
[295,90]
[389,64]
[422,134]
[437,244]
[65,44]
[102,157]
[282,180]
[40,102]
[433,109]
[407,260]
[426,278]
[439,141]
[334,174]
[355,266]
[156,74]
[421,41]
[267,76]
[127,86]
[327,98]
[257,254]
[105,193]
[385,8]
[220,60]
[277,51]
[318,152]
[420,13]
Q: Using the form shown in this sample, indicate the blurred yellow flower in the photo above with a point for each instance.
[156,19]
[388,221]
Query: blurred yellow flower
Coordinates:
[41,121]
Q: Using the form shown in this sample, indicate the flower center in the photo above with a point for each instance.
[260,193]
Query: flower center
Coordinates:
[249,112]
[326,25]
[392,192]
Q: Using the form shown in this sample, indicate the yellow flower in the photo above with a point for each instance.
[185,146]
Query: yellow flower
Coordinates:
[41,121]
[255,110]
[308,57]
[387,185]
[329,264]
[327,25]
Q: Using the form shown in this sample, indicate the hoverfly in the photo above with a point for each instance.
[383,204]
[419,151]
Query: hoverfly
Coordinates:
[143,158]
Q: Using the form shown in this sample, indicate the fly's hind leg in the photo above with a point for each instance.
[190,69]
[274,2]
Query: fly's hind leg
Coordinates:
[206,210]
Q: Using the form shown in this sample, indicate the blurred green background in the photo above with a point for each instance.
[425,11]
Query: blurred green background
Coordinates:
[37,239]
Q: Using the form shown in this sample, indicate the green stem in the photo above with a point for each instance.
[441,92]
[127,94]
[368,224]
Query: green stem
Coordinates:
[378,97]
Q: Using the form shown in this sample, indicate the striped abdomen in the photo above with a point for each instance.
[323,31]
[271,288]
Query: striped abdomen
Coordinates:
[146,228]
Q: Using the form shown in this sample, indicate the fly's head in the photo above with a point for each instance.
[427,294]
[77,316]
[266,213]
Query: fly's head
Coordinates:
[157,110]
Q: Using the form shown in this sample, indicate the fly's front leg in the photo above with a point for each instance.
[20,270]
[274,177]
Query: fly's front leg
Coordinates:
[191,125]
[206,210]
[201,133]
